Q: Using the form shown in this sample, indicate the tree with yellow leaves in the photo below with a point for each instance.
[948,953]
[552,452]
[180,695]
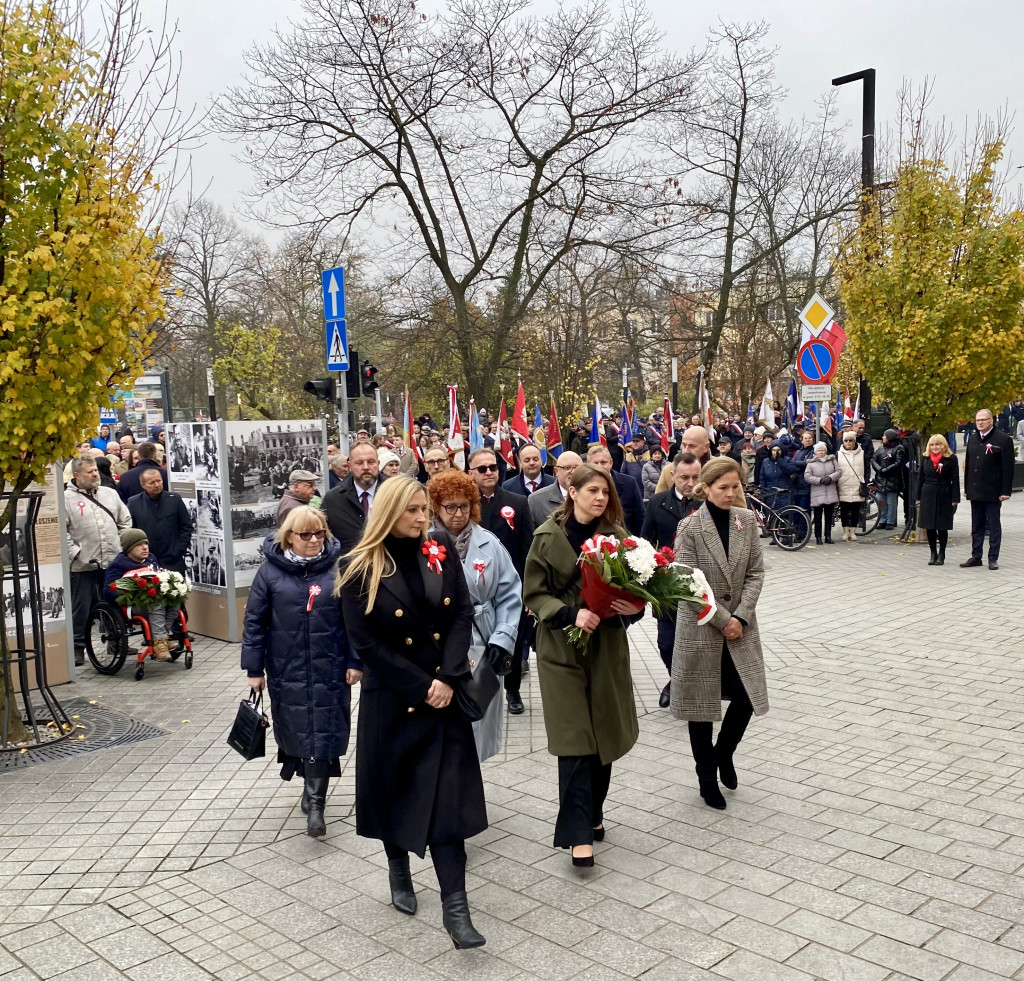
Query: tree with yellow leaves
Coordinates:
[81,272]
[933,281]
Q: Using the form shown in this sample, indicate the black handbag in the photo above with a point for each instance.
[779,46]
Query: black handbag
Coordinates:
[475,693]
[248,736]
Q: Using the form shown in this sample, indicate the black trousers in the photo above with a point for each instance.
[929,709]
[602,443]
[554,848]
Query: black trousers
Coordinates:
[582,788]
[849,513]
[449,864]
[829,511]
[514,679]
[734,724]
[937,539]
[86,589]
[986,514]
[667,640]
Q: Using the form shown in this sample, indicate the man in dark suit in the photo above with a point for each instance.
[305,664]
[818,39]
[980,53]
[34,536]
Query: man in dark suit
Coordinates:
[347,505]
[627,488]
[664,512]
[507,516]
[531,476]
[988,481]
[543,502]
[129,485]
[165,520]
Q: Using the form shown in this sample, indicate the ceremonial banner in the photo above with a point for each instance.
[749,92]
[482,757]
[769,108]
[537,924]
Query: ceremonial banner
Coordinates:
[554,432]
[503,441]
[456,446]
[539,439]
[520,427]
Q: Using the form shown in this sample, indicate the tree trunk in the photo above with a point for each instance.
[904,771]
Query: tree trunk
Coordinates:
[16,731]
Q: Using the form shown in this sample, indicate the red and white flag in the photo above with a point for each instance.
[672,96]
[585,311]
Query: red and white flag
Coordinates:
[668,431]
[408,436]
[519,424]
[456,445]
[503,442]
[847,408]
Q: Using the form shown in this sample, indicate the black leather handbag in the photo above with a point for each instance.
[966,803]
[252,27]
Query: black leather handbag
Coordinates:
[248,736]
[475,693]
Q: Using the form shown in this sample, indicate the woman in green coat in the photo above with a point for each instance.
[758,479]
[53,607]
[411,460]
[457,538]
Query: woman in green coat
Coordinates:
[589,711]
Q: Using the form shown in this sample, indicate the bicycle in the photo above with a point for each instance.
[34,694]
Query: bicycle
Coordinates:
[789,526]
[869,515]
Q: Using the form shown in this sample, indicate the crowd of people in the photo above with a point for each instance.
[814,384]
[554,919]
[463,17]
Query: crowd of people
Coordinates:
[410,572]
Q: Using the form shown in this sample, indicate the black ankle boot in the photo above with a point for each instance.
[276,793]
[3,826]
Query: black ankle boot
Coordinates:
[316,792]
[941,560]
[710,790]
[934,560]
[726,770]
[400,879]
[455,917]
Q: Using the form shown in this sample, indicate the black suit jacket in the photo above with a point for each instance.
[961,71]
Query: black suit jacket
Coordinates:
[516,535]
[631,500]
[988,472]
[517,484]
[344,514]
[664,512]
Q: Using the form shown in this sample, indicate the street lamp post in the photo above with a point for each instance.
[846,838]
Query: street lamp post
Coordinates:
[867,151]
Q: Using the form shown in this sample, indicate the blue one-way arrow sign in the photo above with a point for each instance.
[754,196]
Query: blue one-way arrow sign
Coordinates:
[334,293]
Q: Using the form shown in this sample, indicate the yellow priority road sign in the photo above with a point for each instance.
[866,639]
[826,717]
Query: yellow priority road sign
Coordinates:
[817,315]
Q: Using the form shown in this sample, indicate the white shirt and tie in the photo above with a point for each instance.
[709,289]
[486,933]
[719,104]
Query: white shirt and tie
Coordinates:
[365,497]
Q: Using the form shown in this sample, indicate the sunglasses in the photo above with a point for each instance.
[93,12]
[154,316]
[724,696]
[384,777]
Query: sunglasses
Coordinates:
[487,468]
[309,536]
[457,508]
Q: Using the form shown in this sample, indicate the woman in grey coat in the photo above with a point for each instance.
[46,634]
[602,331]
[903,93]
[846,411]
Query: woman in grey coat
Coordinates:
[494,587]
[822,473]
[722,658]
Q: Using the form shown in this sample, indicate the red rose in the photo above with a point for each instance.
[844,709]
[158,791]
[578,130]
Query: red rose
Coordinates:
[151,591]
[668,553]
[139,581]
[608,548]
[660,560]
[629,542]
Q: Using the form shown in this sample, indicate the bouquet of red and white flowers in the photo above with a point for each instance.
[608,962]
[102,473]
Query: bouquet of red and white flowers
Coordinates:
[633,570]
[147,588]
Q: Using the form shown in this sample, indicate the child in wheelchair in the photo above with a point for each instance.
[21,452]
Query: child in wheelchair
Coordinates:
[134,555]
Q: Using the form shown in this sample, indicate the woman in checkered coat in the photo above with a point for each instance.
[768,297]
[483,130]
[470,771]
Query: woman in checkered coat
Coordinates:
[722,659]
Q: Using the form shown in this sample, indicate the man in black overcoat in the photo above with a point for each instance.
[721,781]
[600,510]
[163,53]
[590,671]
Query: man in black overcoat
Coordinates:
[988,481]
[165,520]
[507,516]
[664,512]
[347,505]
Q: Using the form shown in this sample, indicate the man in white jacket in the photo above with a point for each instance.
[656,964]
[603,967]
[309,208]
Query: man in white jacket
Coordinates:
[96,518]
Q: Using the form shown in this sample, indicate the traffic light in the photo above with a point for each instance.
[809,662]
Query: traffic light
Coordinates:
[324,389]
[369,382]
[352,376]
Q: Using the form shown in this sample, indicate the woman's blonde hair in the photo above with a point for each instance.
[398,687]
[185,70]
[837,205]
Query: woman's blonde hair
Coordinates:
[938,438]
[302,518]
[713,471]
[369,562]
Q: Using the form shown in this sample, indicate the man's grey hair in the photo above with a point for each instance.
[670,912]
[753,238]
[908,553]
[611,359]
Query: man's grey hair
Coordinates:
[79,463]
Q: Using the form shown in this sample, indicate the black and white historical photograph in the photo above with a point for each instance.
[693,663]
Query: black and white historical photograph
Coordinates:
[254,520]
[180,461]
[210,517]
[52,598]
[260,455]
[248,555]
[206,463]
[211,561]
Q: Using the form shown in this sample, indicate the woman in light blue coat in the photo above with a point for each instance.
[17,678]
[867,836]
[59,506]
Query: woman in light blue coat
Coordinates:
[494,586]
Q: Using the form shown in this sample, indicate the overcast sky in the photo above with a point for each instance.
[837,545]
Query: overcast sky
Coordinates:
[971,51]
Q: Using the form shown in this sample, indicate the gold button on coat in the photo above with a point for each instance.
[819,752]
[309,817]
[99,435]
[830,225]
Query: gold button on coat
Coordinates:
[408,640]
[437,636]
[399,613]
[447,601]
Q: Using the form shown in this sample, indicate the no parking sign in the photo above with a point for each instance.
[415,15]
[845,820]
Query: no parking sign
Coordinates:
[817,362]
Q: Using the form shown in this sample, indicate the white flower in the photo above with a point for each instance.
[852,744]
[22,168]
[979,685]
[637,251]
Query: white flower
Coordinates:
[701,586]
[641,561]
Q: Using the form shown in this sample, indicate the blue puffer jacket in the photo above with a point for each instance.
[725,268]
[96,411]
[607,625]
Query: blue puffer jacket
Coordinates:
[775,483]
[293,632]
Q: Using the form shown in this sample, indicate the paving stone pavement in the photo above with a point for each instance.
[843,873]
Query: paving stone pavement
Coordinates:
[876,833]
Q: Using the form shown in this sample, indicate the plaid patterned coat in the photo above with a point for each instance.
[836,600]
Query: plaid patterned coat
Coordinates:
[736,581]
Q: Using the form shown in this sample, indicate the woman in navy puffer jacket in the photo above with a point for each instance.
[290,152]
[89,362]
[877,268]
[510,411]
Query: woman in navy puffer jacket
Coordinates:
[294,633]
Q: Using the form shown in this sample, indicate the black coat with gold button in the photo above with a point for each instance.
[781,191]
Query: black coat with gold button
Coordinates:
[417,774]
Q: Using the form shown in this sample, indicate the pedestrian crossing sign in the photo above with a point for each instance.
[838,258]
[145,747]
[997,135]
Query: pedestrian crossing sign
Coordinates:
[337,346]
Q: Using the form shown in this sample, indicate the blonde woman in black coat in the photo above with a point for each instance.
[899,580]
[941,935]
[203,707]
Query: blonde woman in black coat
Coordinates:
[408,613]
[938,494]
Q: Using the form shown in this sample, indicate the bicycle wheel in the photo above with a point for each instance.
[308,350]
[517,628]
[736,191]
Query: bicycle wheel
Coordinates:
[106,639]
[869,515]
[791,528]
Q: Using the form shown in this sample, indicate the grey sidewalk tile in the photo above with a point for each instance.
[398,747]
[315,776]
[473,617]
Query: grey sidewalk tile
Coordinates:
[129,947]
[623,918]
[55,955]
[743,965]
[977,953]
[764,909]
[886,923]
[619,953]
[169,967]
[473,965]
[393,967]
[771,942]
[690,912]
[557,926]
[824,930]
[635,892]
[822,962]
[912,961]
[543,959]
[964,920]
[881,894]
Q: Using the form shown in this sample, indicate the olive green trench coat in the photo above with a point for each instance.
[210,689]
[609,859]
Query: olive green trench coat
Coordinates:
[587,696]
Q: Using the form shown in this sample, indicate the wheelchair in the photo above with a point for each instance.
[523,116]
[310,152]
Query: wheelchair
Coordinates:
[109,630]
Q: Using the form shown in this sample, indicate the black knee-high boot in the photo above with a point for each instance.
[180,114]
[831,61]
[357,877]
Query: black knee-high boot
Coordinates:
[707,767]
[733,726]
[932,546]
[403,896]
[943,539]
[316,794]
